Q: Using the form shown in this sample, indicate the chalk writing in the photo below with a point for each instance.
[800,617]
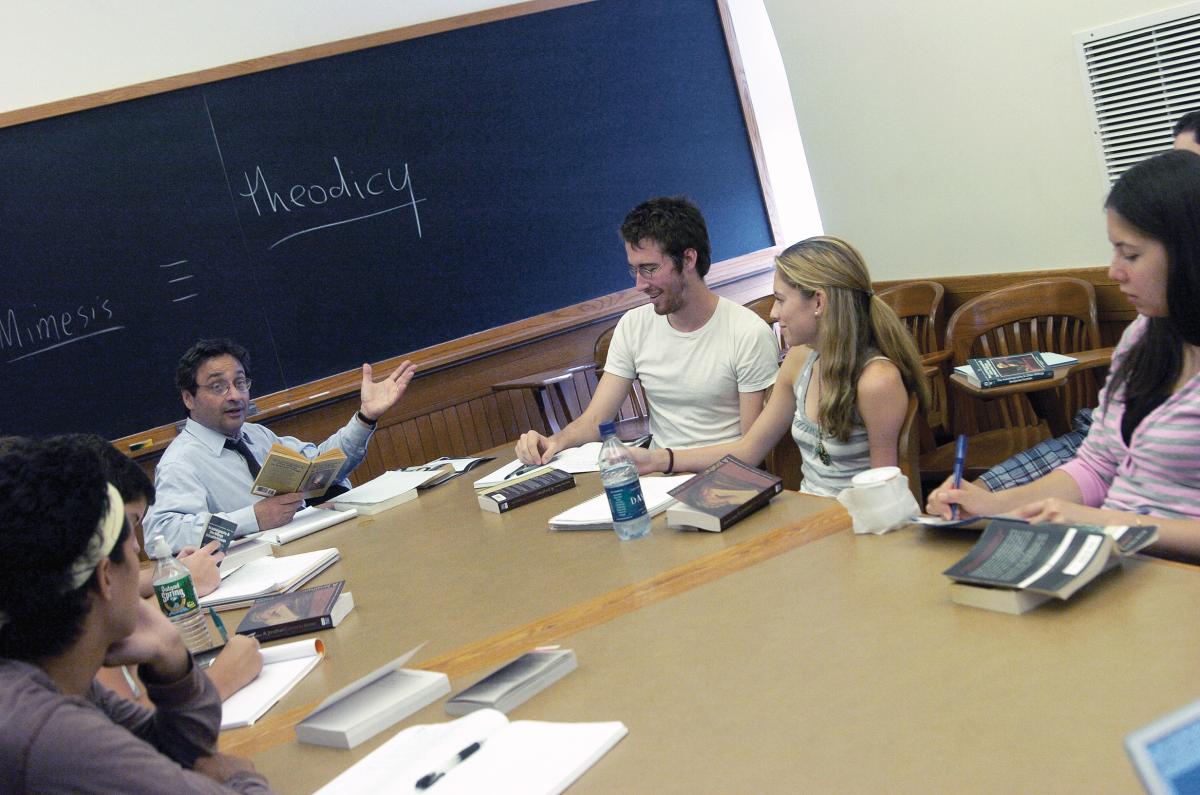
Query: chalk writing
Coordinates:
[35,331]
[178,279]
[384,183]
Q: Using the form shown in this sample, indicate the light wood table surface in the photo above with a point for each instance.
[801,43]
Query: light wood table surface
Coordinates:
[840,665]
[481,588]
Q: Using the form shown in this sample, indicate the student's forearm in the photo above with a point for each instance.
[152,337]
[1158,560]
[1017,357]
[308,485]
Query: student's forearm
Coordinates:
[1056,484]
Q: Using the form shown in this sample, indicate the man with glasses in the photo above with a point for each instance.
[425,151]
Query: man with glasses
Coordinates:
[705,362]
[209,467]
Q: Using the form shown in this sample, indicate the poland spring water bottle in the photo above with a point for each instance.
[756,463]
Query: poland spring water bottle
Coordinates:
[620,477]
[177,597]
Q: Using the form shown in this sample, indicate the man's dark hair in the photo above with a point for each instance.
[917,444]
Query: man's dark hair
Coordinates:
[201,352]
[52,497]
[1160,197]
[1188,122]
[130,480]
[675,224]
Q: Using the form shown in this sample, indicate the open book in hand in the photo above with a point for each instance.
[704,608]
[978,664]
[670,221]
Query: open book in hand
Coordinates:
[1015,567]
[481,752]
[286,471]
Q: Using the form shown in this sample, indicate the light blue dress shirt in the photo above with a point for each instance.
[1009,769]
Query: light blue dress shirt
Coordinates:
[198,477]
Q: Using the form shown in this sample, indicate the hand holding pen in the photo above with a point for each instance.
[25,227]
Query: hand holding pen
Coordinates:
[960,458]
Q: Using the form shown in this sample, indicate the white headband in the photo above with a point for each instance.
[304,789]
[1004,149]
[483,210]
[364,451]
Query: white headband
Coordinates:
[102,541]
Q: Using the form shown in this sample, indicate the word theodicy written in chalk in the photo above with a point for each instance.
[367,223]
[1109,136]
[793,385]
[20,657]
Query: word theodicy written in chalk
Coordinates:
[379,188]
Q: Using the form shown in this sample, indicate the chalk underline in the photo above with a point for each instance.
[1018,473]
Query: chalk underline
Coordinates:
[412,203]
[65,342]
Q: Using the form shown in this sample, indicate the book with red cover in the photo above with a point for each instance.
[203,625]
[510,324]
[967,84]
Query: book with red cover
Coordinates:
[307,610]
[722,495]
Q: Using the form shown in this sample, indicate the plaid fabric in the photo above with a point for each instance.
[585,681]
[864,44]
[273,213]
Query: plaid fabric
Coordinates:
[1041,459]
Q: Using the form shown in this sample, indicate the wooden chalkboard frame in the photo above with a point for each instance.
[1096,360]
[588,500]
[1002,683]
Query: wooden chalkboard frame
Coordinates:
[436,357]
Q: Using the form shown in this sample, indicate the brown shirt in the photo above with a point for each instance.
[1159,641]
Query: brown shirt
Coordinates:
[51,742]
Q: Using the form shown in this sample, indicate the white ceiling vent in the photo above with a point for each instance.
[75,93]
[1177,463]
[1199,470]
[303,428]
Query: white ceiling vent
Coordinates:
[1141,76]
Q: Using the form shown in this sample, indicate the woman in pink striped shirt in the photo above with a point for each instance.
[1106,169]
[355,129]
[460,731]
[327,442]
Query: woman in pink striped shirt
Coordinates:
[1141,460]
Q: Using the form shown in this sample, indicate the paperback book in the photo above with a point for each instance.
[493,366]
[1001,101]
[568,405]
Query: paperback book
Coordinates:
[447,468]
[533,486]
[722,495]
[286,471]
[386,491]
[296,613]
[1015,567]
[1001,370]
[515,683]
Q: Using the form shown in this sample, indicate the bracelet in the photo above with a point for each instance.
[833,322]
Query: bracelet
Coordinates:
[363,419]
[670,461]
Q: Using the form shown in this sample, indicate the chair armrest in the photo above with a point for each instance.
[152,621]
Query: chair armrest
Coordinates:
[1097,357]
[543,379]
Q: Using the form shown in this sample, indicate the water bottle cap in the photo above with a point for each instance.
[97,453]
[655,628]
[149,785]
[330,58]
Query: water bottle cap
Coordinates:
[159,548]
[607,429]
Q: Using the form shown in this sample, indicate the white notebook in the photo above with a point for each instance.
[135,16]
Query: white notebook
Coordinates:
[283,666]
[306,522]
[594,514]
[532,757]
[267,576]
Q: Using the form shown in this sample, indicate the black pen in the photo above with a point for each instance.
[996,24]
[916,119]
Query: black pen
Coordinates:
[429,779]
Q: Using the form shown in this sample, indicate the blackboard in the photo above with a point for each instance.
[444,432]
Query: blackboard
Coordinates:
[356,207]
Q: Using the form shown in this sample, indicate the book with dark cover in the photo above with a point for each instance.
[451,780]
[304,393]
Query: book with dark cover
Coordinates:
[535,485]
[722,495]
[1046,560]
[295,613]
[1001,370]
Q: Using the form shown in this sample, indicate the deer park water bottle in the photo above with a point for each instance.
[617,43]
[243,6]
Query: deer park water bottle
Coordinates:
[177,597]
[619,475]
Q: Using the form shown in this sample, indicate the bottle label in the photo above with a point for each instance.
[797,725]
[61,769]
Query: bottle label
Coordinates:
[176,597]
[626,501]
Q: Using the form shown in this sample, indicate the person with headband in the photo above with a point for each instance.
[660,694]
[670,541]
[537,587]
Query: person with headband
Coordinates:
[69,603]
[1140,462]
[843,387]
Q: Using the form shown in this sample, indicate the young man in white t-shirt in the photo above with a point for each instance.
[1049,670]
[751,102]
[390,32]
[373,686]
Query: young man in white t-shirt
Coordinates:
[704,362]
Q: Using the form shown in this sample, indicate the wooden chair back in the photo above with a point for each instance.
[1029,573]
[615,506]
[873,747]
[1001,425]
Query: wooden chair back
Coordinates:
[908,450]
[919,307]
[1055,314]
[762,307]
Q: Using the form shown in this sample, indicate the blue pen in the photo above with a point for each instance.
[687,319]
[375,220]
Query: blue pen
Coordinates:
[219,624]
[960,458]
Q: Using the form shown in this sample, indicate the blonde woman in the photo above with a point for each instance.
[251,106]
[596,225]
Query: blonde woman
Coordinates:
[843,387]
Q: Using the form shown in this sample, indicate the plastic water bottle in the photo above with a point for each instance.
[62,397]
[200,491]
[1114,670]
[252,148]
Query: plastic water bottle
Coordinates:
[177,597]
[620,477]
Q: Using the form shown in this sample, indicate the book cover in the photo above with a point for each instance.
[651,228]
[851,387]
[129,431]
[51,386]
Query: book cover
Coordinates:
[1055,560]
[295,613]
[1015,369]
[219,530]
[285,471]
[381,493]
[722,495]
[537,484]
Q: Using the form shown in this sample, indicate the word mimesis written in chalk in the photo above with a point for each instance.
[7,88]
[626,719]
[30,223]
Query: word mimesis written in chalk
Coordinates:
[28,333]
[349,190]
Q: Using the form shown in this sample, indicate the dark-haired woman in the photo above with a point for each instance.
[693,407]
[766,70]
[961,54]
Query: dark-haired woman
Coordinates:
[1140,463]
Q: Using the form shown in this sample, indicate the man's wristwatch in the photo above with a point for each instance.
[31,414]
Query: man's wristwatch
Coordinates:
[363,419]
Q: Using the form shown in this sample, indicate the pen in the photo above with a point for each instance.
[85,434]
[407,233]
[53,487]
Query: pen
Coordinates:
[960,457]
[429,779]
[220,625]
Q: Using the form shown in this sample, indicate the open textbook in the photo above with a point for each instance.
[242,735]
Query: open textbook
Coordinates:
[267,576]
[481,752]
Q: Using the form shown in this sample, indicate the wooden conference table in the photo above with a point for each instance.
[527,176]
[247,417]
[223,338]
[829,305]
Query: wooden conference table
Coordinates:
[786,654]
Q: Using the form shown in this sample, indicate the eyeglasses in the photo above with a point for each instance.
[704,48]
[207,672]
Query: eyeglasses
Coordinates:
[647,271]
[221,388]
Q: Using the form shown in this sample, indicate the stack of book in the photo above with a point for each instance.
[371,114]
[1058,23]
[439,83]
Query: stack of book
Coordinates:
[993,371]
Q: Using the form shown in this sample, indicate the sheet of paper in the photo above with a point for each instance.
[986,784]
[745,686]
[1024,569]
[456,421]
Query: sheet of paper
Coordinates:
[596,510]
[283,666]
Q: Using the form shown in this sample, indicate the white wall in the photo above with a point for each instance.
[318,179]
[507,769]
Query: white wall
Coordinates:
[950,137]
